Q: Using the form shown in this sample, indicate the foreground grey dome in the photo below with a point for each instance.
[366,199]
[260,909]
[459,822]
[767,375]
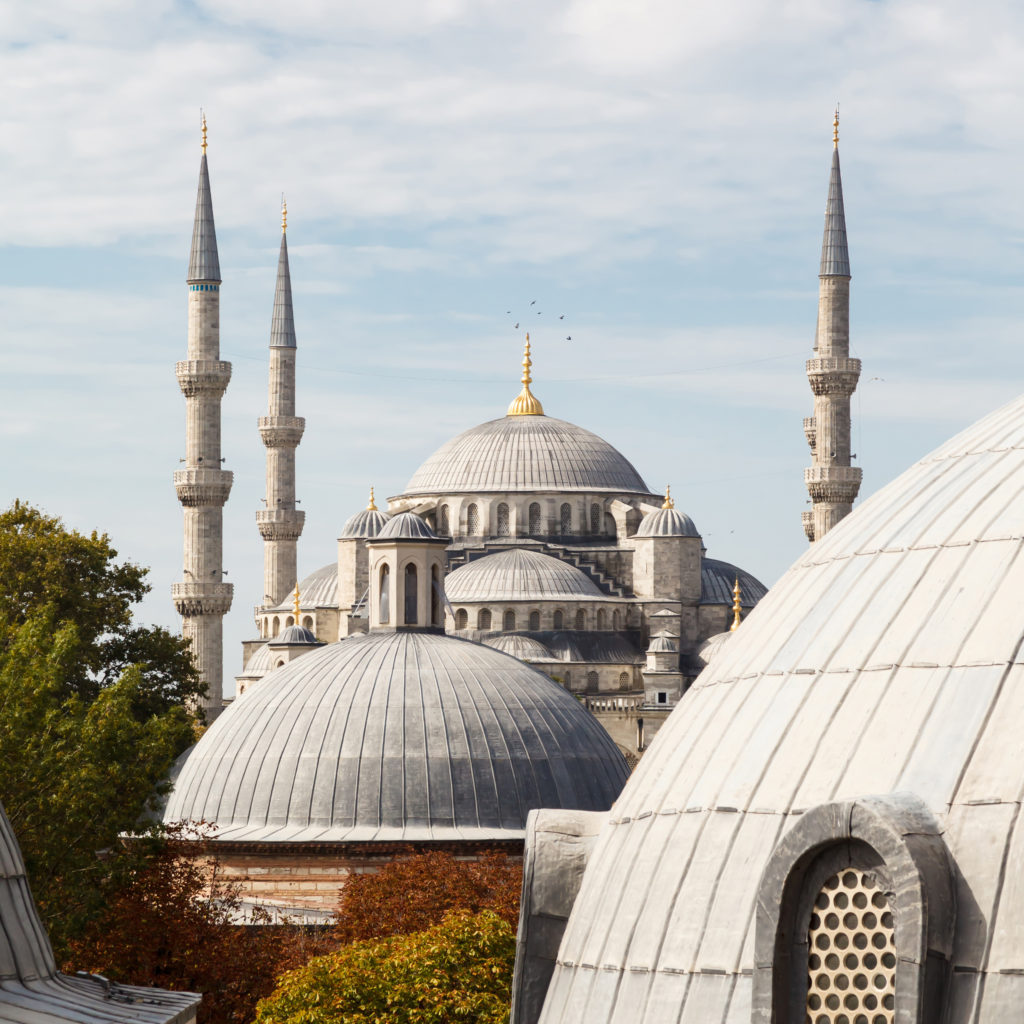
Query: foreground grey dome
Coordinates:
[888,660]
[526,453]
[407,526]
[667,522]
[391,736]
[518,575]
[367,522]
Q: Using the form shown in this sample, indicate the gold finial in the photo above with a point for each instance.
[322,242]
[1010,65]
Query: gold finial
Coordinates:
[736,608]
[668,503]
[371,507]
[203,115]
[295,604]
[526,403]
[835,128]
[284,214]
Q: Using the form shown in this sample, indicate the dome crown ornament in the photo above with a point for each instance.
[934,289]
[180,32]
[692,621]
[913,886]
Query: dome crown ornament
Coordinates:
[526,403]
[295,604]
[668,503]
[737,609]
[372,506]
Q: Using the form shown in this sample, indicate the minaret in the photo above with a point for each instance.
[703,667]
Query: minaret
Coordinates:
[280,523]
[203,598]
[831,480]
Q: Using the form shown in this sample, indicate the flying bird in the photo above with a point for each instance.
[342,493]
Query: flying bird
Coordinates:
[533,302]
[562,317]
[516,327]
[568,337]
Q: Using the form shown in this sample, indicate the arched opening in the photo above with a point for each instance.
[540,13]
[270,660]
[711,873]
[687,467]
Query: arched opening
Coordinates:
[503,527]
[472,520]
[384,606]
[616,619]
[595,518]
[280,663]
[289,622]
[307,622]
[483,619]
[602,619]
[509,622]
[462,619]
[623,680]
[435,596]
[411,595]
[277,626]
[592,682]
[557,620]
[581,619]
[565,519]
[534,517]
[443,527]
[534,620]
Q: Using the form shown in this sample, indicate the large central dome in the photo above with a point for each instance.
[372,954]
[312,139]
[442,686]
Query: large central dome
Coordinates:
[526,453]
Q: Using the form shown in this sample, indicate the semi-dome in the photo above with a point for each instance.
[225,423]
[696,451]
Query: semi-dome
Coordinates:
[886,661]
[667,522]
[406,526]
[396,736]
[519,574]
[525,648]
[526,453]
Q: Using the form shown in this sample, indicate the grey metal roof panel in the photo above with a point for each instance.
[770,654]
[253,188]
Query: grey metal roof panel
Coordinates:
[391,734]
[518,574]
[667,522]
[887,659]
[203,261]
[525,648]
[367,522]
[835,256]
[282,324]
[526,453]
[406,526]
[717,580]
[317,590]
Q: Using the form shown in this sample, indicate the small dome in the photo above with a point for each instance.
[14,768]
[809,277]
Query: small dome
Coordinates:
[718,578]
[368,522]
[662,643]
[518,574]
[396,736]
[260,662]
[667,522]
[525,648]
[318,590]
[712,646]
[564,648]
[295,635]
[406,526]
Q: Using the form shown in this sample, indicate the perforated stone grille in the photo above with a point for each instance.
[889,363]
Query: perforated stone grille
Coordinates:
[852,953]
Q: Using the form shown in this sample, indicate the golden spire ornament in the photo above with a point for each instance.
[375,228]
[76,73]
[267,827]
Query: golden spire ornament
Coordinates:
[284,214]
[526,403]
[295,604]
[736,608]
[203,115]
[668,502]
[835,128]
[372,507]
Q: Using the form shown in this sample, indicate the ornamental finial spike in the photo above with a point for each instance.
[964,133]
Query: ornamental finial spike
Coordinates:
[295,604]
[668,503]
[202,114]
[526,403]
[372,507]
[835,128]
[284,214]
[736,607]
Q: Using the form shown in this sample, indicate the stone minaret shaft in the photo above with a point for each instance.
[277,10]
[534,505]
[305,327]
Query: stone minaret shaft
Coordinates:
[203,598]
[831,480]
[280,523]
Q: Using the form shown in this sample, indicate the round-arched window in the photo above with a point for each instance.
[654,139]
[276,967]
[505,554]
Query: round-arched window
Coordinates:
[461,619]
[565,519]
[411,595]
[595,518]
[592,681]
[509,622]
[443,526]
[384,606]
[277,626]
[557,620]
[623,680]
[581,619]
[534,517]
[483,619]
[307,621]
[534,620]
[602,619]
[503,527]
[472,520]
[435,596]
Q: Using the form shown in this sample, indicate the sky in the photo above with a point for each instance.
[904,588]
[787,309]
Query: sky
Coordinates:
[640,183]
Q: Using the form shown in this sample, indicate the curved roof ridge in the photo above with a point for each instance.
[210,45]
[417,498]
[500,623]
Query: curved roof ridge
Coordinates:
[519,574]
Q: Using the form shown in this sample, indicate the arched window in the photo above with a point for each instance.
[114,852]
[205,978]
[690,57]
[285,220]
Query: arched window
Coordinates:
[307,621]
[509,622]
[623,680]
[592,682]
[534,528]
[557,620]
[472,520]
[280,662]
[581,619]
[385,594]
[568,680]
[483,619]
[616,619]
[602,619]
[435,596]
[289,622]
[411,595]
[462,619]
[534,620]
[595,518]
[277,626]
[503,530]
[565,519]
[442,521]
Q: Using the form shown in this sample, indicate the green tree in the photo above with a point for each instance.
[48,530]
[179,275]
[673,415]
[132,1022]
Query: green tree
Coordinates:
[459,970]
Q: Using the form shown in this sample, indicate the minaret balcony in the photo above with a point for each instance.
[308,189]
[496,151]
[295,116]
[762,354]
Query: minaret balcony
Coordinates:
[833,484]
[281,431]
[192,599]
[198,487]
[281,523]
[202,376]
[833,375]
[810,431]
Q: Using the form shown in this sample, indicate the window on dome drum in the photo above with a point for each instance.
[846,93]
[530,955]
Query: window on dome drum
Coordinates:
[581,619]
[592,681]
[435,596]
[623,680]
[616,619]
[509,622]
[411,595]
[534,620]
[277,626]
[565,519]
[385,594]
[472,520]
[534,517]
[307,621]
[503,530]
[442,521]
[483,619]
[289,622]
[462,619]
[602,619]
[595,518]
[557,620]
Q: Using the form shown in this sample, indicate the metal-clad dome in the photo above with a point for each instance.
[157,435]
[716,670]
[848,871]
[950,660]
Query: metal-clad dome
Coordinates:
[525,648]
[295,635]
[667,522]
[396,736]
[260,662]
[887,660]
[518,575]
[367,522]
[526,453]
[663,643]
[563,647]
[712,647]
[318,590]
[407,526]
[718,578]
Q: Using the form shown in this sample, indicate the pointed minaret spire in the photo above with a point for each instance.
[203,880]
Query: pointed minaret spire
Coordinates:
[831,480]
[203,598]
[280,523]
